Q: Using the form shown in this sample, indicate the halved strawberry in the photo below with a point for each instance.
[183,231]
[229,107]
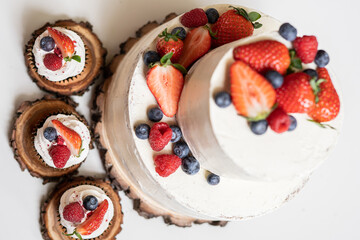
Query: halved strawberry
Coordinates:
[65,44]
[72,138]
[94,221]
[196,44]
[264,55]
[169,43]
[252,95]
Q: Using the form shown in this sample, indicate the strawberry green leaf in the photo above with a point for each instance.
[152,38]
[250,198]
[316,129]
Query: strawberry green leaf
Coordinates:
[67,59]
[76,233]
[167,36]
[315,85]
[180,68]
[212,34]
[253,16]
[322,125]
[76,58]
[295,62]
[166,58]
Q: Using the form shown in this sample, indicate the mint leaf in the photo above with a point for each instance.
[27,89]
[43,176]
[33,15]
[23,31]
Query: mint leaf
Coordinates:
[257,25]
[296,63]
[76,58]
[253,16]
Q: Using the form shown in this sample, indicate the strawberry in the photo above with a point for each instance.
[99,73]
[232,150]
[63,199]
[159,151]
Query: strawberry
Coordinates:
[196,44]
[194,18]
[278,120]
[328,106]
[52,62]
[296,94]
[160,135]
[73,212]
[72,138]
[60,154]
[169,43]
[166,164]
[233,25]
[252,95]
[65,44]
[264,55]
[306,48]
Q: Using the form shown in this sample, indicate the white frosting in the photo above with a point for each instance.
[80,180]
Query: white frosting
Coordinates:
[42,145]
[77,194]
[68,69]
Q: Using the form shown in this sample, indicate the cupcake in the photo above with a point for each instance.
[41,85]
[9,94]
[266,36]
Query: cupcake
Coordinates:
[83,208]
[65,57]
[50,138]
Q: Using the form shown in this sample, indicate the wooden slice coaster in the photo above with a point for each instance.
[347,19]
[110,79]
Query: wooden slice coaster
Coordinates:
[28,118]
[95,55]
[51,228]
[119,176]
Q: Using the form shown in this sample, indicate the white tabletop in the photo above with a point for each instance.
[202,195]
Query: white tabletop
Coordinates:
[327,208]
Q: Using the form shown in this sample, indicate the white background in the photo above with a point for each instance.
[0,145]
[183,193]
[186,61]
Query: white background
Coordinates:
[327,208]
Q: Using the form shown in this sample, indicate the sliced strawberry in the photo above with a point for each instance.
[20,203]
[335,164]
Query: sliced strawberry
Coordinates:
[72,138]
[252,95]
[65,44]
[169,43]
[197,43]
[160,135]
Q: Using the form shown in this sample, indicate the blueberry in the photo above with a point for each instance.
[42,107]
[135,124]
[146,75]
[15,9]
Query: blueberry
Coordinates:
[90,203]
[322,58]
[259,127]
[142,131]
[47,43]
[155,114]
[212,15]
[293,123]
[180,32]
[275,78]
[190,165]
[151,57]
[50,133]
[288,32]
[181,149]
[176,133]
[223,99]
[311,72]
[213,179]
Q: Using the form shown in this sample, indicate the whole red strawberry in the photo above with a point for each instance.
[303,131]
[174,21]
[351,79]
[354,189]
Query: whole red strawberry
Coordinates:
[264,55]
[296,94]
[52,61]
[194,18]
[160,135]
[166,164]
[279,120]
[306,48]
[73,212]
[328,106]
[60,154]
[169,43]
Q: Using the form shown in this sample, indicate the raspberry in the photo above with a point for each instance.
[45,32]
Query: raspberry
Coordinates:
[60,154]
[60,140]
[73,212]
[160,136]
[306,48]
[52,62]
[166,164]
[194,18]
[279,121]
[57,51]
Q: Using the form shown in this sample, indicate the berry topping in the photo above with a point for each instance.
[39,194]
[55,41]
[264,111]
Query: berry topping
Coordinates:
[50,133]
[275,78]
[212,15]
[65,44]
[179,32]
[142,131]
[73,212]
[60,140]
[169,43]
[176,133]
[223,99]
[57,51]
[322,58]
[60,154]
[190,165]
[306,48]
[296,94]
[252,95]
[90,203]
[151,57]
[194,18]
[311,72]
[293,123]
[279,121]
[213,179]
[160,136]
[166,164]
[155,114]
[72,139]
[259,127]
[52,62]
[264,55]
[181,149]
[288,32]
[196,44]
[47,43]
